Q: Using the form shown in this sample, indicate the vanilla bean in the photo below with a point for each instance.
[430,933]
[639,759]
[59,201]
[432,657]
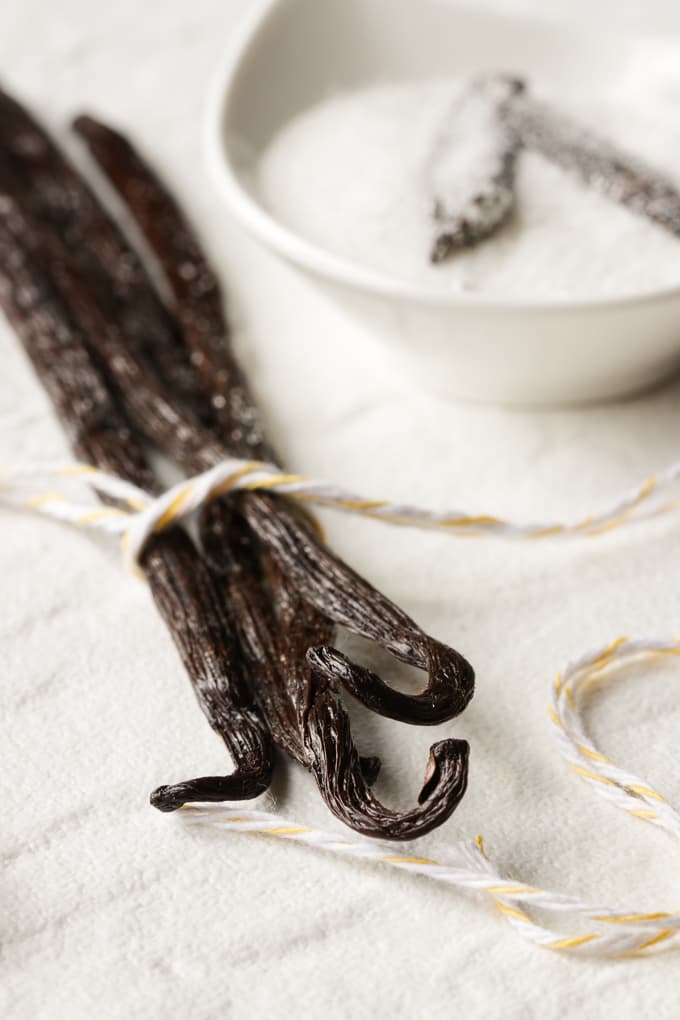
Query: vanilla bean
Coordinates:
[323,580]
[598,163]
[102,277]
[198,299]
[472,166]
[182,586]
[328,749]
[59,194]
[302,711]
[290,685]
[104,280]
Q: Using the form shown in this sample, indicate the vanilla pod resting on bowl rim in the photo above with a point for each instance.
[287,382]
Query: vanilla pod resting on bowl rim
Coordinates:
[173,380]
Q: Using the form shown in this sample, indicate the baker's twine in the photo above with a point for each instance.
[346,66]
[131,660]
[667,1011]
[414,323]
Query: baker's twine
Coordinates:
[610,932]
[45,488]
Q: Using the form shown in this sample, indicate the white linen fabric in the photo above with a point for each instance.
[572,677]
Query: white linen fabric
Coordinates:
[113,910]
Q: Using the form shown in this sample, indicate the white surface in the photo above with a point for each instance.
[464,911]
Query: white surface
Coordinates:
[113,910]
[508,339]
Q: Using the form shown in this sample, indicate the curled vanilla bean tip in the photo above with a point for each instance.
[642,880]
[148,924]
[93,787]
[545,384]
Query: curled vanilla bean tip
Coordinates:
[446,695]
[472,166]
[170,798]
[209,788]
[447,758]
[337,591]
[335,767]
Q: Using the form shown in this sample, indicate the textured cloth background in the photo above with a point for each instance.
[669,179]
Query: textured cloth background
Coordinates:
[113,910]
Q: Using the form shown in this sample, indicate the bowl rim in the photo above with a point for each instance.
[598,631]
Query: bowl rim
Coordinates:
[260,223]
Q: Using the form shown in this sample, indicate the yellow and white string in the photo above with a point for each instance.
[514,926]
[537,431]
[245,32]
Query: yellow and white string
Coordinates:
[570,689]
[46,488]
[609,932]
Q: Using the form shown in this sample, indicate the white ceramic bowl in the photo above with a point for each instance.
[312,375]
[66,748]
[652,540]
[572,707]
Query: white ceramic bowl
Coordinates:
[290,53]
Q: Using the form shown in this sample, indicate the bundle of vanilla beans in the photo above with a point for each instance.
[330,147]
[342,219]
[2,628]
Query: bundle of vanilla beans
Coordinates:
[474,161]
[253,608]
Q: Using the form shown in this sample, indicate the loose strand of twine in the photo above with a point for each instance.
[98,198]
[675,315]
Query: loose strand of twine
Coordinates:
[634,933]
[45,489]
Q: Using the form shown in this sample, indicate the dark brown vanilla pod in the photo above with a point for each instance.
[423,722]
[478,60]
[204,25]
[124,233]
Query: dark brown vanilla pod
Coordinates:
[87,255]
[267,636]
[302,709]
[60,196]
[472,166]
[333,588]
[322,579]
[297,700]
[598,163]
[195,288]
[328,749]
[182,586]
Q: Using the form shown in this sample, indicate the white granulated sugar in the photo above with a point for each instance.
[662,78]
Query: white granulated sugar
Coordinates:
[351,175]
